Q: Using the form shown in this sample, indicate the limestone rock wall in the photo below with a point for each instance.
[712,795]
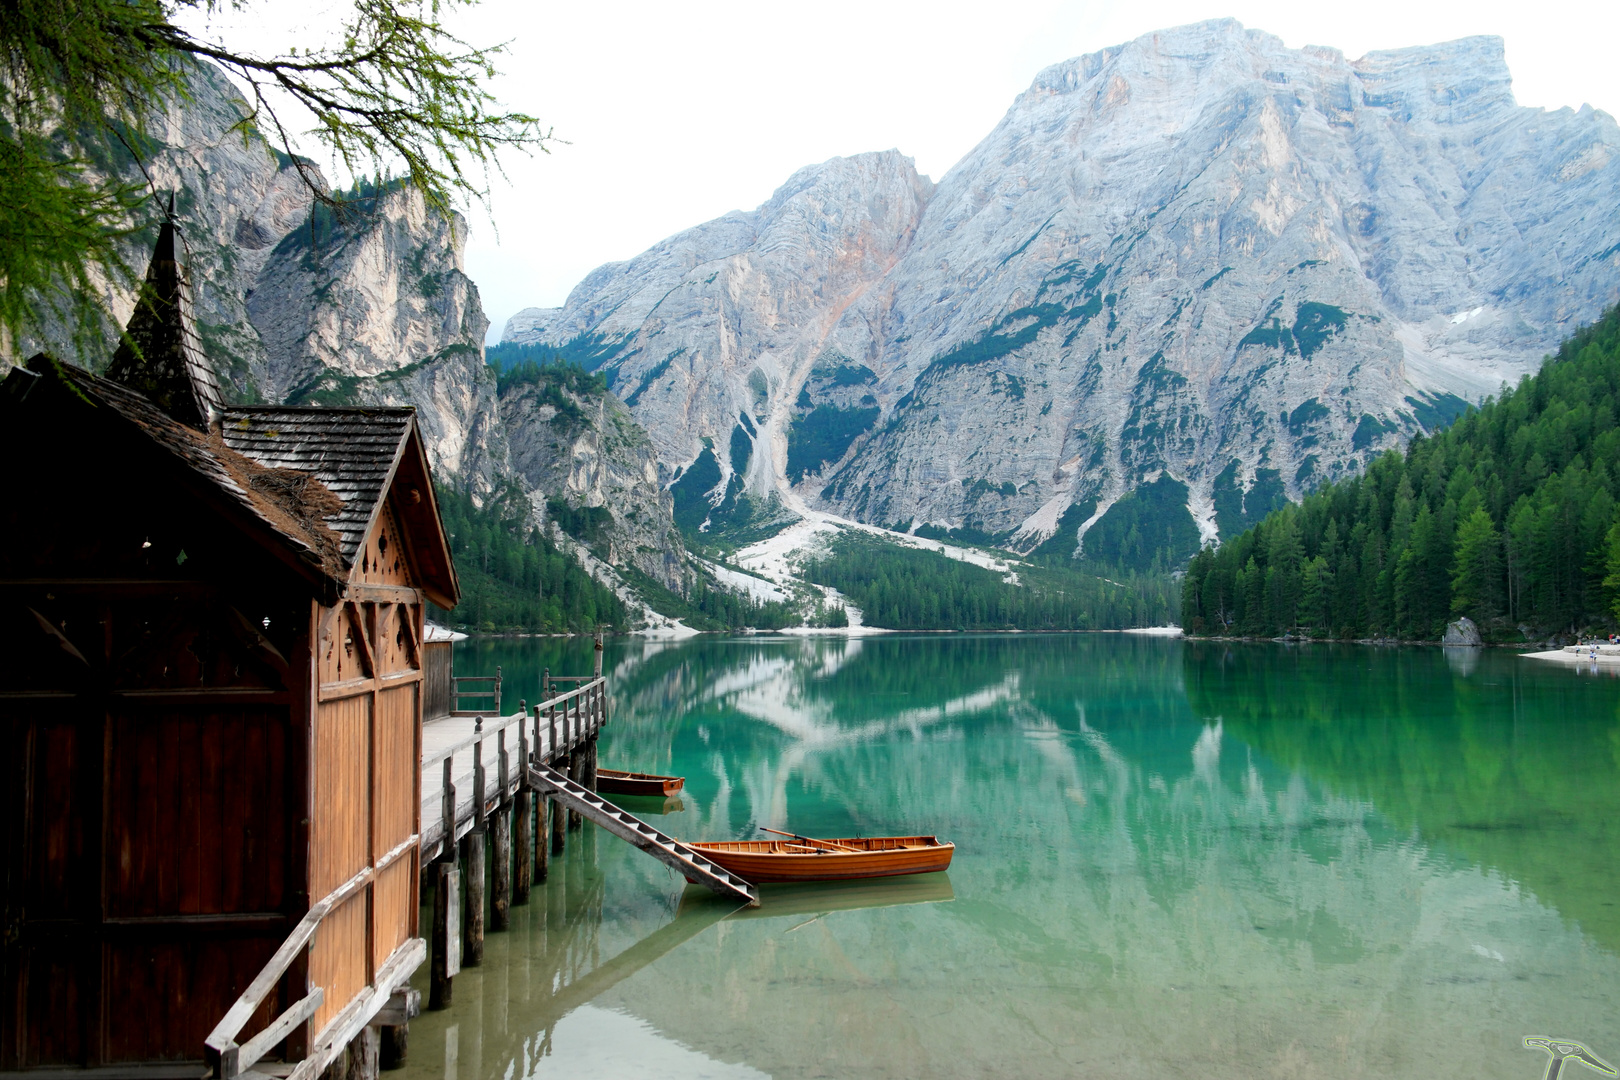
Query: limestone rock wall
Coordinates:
[1200,254]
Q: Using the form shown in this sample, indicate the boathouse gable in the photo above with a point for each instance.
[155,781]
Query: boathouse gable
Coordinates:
[211,666]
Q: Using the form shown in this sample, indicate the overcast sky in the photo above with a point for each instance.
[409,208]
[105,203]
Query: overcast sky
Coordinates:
[676,113]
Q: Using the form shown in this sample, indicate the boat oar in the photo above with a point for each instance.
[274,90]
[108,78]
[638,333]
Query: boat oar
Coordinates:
[811,840]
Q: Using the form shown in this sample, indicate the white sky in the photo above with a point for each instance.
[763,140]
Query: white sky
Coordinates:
[676,113]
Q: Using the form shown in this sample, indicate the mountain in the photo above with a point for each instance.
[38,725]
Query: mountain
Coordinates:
[1182,280]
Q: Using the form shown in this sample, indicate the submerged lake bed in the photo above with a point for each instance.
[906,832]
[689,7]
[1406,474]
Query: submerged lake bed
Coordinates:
[1234,859]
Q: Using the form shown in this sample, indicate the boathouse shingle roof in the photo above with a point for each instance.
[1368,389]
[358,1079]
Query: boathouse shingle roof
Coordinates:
[352,451]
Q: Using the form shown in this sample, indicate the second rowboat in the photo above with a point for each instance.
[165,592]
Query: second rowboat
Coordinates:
[614,782]
[805,859]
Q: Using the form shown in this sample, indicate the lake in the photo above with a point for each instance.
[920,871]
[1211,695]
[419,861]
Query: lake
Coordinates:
[1172,859]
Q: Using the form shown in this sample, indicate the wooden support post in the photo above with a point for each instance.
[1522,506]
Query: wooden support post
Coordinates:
[363,1054]
[446,906]
[395,1043]
[590,764]
[522,845]
[523,821]
[542,842]
[559,824]
[576,773]
[500,893]
[473,855]
[472,923]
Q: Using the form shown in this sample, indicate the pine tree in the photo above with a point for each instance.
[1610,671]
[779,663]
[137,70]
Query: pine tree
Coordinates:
[1476,582]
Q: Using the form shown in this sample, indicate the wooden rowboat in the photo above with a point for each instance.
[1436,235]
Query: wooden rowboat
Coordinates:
[760,861]
[614,782]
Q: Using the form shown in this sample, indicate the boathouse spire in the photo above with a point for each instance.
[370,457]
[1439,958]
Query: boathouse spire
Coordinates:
[161,356]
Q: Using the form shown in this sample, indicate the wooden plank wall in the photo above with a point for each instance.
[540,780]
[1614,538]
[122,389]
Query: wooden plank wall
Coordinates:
[367,779]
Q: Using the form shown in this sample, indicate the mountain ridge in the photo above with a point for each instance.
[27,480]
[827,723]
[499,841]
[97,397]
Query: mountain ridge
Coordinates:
[1199,255]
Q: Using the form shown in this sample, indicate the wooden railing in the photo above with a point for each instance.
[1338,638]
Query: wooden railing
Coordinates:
[227,1058]
[493,682]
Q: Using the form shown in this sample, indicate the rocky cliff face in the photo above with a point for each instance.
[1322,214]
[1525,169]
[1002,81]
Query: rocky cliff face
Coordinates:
[1200,261]
[582,458]
[714,331]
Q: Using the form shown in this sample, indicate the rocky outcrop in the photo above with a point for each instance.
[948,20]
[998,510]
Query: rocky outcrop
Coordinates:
[373,306]
[1462,632]
[1200,260]
[590,468]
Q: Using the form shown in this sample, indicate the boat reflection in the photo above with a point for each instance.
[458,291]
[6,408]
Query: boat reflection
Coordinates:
[824,897]
[643,805]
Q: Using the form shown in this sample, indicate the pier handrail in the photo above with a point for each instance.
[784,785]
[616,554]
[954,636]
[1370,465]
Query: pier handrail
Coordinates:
[457,693]
[226,1058]
[498,723]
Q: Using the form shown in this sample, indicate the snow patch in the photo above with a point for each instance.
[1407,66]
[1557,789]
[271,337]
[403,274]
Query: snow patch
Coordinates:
[758,590]
[1040,525]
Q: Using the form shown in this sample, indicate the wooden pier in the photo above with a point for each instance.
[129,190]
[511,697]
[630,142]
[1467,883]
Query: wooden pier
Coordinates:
[497,793]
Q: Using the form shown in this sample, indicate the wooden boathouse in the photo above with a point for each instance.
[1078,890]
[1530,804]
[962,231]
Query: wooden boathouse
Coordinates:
[211,693]
[214,669]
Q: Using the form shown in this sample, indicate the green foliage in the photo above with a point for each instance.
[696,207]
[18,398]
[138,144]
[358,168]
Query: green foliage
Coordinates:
[1063,543]
[965,534]
[1314,325]
[905,588]
[694,489]
[1508,516]
[587,524]
[1148,530]
[1369,431]
[1236,509]
[652,376]
[1436,411]
[556,381]
[512,577]
[852,375]
[824,435]
[83,79]
[742,448]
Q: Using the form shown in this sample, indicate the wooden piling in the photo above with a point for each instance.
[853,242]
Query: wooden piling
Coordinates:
[500,892]
[446,905]
[542,840]
[559,826]
[363,1054]
[446,933]
[522,845]
[472,922]
[576,773]
[500,898]
[395,1043]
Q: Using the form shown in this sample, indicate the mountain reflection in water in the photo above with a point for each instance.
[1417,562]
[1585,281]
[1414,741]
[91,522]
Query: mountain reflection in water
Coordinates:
[1171,857]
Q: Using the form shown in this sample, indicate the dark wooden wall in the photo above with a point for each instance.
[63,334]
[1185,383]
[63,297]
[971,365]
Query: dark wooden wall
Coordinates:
[153,759]
[150,835]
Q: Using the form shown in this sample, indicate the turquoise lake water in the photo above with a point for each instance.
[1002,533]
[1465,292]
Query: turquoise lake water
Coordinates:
[1172,859]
